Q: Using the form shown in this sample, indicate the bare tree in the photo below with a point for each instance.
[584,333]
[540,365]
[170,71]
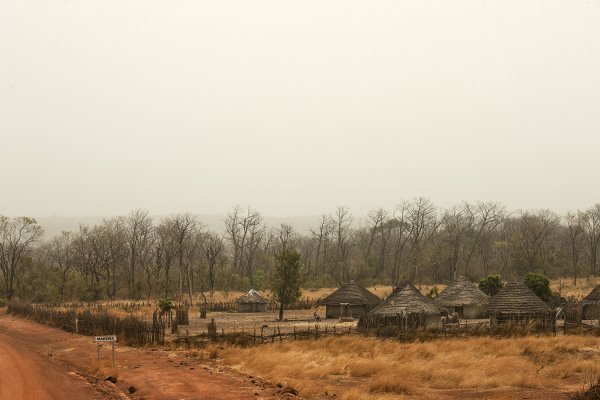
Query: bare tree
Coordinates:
[321,237]
[374,240]
[423,222]
[589,221]
[245,233]
[575,236]
[458,222]
[184,227]
[343,224]
[112,251]
[286,236]
[165,253]
[534,229]
[16,238]
[212,247]
[138,234]
[401,231]
[60,252]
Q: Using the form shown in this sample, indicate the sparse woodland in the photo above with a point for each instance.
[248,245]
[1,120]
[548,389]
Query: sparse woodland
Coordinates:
[178,257]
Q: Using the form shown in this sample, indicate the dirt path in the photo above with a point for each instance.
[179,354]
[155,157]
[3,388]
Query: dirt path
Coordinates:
[25,375]
[40,362]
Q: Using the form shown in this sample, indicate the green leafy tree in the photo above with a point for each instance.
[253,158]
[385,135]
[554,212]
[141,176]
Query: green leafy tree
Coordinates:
[285,283]
[539,284]
[491,285]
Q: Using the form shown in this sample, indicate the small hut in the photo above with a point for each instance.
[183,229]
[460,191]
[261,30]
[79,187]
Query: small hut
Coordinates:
[590,305]
[252,302]
[350,300]
[464,298]
[516,302]
[406,308]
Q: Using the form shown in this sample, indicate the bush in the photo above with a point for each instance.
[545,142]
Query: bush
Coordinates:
[539,284]
[491,285]
[3,302]
[433,292]
[165,305]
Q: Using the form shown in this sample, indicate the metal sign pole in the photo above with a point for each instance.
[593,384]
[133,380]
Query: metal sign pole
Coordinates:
[113,353]
[98,349]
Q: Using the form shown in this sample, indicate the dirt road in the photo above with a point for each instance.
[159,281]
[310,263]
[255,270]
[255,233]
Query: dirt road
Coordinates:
[26,375]
[40,362]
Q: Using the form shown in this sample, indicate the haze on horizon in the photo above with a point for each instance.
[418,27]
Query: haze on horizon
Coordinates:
[296,108]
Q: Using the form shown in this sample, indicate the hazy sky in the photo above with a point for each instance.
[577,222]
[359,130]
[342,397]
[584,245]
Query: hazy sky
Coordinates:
[295,107]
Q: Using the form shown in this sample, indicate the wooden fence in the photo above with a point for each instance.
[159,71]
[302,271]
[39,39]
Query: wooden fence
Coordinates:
[131,331]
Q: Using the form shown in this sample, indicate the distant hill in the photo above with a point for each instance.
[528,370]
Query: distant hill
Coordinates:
[55,224]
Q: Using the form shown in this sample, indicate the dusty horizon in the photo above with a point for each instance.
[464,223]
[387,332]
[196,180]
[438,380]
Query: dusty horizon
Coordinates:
[297,108]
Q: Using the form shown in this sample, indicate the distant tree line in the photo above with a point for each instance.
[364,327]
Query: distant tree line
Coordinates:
[132,256]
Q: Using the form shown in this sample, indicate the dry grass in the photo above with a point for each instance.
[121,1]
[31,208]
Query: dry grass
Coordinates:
[583,288]
[103,368]
[366,368]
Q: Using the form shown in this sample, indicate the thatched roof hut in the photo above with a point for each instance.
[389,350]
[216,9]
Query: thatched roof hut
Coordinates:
[590,305]
[357,300]
[465,298]
[408,308]
[516,302]
[252,302]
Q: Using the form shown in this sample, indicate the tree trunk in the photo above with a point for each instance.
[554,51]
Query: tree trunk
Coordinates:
[281,311]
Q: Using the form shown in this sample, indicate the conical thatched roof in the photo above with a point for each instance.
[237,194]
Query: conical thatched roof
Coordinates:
[462,292]
[516,298]
[252,297]
[351,293]
[407,300]
[593,297]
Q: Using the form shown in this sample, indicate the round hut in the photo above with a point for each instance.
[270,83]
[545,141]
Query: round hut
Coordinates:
[252,302]
[464,298]
[406,308]
[516,302]
[350,300]
[590,305]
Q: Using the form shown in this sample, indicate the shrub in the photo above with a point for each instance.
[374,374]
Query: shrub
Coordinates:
[165,305]
[491,285]
[3,302]
[433,292]
[539,284]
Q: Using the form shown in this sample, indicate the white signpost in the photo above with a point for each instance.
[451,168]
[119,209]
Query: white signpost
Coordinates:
[107,338]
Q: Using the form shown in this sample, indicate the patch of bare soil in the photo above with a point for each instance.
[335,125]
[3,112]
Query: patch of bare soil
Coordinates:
[46,355]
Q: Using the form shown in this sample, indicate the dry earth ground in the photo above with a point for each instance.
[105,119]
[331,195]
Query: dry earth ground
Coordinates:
[55,364]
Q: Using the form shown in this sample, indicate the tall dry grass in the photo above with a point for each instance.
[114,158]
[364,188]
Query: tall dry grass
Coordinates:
[367,368]
[566,287]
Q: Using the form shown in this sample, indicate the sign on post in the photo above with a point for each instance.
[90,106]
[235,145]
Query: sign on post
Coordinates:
[106,338]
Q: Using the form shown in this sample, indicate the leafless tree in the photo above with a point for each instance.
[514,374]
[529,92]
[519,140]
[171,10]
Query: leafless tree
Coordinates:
[575,240]
[60,253]
[423,221]
[138,233]
[184,228]
[321,237]
[212,246]
[165,254]
[286,236]
[589,221]
[16,238]
[245,233]
[343,229]
[534,229]
[401,232]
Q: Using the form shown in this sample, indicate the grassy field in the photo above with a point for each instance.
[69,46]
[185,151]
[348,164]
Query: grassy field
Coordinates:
[366,368]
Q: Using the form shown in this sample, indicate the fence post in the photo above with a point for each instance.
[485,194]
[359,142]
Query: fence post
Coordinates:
[279,332]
